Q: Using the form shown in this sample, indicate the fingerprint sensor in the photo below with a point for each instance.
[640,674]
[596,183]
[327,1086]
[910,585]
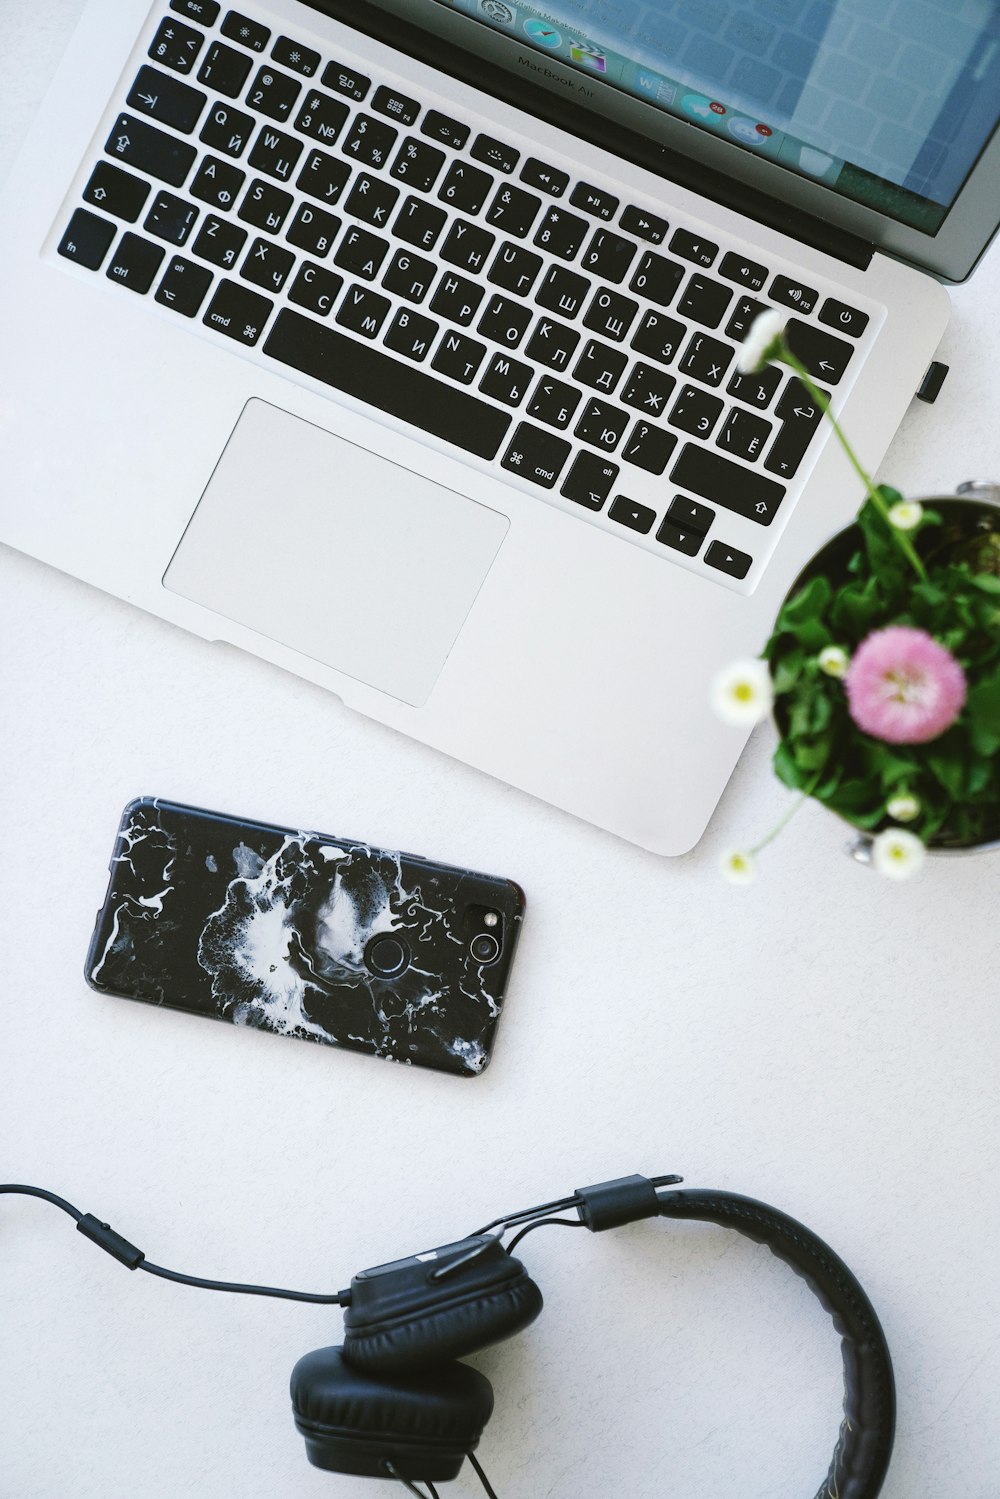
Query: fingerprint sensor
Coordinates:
[386,956]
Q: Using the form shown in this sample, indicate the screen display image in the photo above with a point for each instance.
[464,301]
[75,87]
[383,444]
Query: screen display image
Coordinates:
[889,105]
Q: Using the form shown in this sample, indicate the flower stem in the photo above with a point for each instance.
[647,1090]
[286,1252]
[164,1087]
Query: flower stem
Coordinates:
[901,540]
[783,822]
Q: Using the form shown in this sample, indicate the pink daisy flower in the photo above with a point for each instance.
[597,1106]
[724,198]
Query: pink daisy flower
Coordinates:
[903,687]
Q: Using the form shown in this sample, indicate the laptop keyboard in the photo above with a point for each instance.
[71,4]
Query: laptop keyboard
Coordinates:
[372,242]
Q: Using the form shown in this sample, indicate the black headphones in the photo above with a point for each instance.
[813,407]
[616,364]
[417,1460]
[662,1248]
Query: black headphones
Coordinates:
[394,1403]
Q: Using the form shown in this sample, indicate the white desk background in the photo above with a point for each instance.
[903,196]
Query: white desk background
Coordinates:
[823,1040]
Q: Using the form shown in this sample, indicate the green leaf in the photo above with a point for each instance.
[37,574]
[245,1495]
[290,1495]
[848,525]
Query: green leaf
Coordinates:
[983,709]
[787,769]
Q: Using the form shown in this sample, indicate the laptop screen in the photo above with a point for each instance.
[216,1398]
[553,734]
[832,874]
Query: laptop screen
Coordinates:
[889,105]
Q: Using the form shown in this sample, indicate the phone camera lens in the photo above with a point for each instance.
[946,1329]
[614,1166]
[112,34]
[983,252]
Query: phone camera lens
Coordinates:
[484,947]
[386,956]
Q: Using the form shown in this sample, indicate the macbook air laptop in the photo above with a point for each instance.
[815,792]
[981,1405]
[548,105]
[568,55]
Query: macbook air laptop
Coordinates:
[396,342]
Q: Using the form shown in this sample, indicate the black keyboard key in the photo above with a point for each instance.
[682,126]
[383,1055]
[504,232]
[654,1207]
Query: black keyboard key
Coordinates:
[219,241]
[267,265]
[370,141]
[679,538]
[135,263]
[217,182]
[410,276]
[590,480]
[649,447]
[748,273]
[693,247]
[562,291]
[646,225]
[116,192]
[548,179]
[513,210]
[657,278]
[170,218]
[204,11]
[649,389]
[323,176]
[553,402]
[87,239]
[504,321]
[561,233]
[845,319]
[183,286]
[800,416]
[361,253]
[395,105]
[225,69]
[273,93]
[411,334]
[728,559]
[536,455]
[176,45]
[611,314]
[465,187]
[459,356]
[315,288]
[744,434]
[825,357]
[552,343]
[659,336]
[321,117]
[467,245]
[417,164]
[608,256]
[506,379]
[237,312]
[706,359]
[346,81]
[248,33]
[275,153]
[600,366]
[601,425]
[515,268]
[363,311]
[419,223]
[695,411]
[264,206]
[227,129]
[457,299]
[690,515]
[440,127]
[313,230]
[594,200]
[630,513]
[757,389]
[291,54]
[166,99]
[372,200]
[704,301]
[150,150]
[494,153]
[793,294]
[743,318]
[729,484]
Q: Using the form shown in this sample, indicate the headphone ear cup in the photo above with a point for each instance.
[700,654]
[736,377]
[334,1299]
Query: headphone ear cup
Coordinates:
[353,1422]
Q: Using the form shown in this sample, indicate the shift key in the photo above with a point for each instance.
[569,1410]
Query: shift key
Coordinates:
[150,150]
[728,484]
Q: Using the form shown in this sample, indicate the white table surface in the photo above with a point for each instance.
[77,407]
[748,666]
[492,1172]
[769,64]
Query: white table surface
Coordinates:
[823,1040]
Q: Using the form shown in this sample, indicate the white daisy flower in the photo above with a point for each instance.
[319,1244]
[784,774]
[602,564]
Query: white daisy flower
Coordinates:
[897,853]
[761,343]
[742,694]
[834,660]
[738,866]
[903,808]
[906,514]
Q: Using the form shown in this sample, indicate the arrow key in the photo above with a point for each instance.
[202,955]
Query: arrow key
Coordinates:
[681,538]
[825,357]
[115,191]
[728,559]
[166,99]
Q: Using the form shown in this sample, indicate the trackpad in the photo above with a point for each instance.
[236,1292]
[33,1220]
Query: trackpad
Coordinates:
[335,552]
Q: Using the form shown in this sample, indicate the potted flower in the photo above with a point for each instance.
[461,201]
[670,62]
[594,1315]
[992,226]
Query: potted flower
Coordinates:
[883,667]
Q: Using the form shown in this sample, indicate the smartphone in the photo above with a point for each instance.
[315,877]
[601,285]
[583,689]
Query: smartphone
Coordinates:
[304,935]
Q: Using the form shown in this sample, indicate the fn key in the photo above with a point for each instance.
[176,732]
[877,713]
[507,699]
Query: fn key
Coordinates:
[536,455]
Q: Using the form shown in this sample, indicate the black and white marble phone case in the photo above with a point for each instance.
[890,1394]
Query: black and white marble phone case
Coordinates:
[309,936]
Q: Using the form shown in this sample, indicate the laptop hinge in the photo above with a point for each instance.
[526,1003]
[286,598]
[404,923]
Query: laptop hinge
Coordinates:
[516,89]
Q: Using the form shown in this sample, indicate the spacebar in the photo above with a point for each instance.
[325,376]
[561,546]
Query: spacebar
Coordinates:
[359,370]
